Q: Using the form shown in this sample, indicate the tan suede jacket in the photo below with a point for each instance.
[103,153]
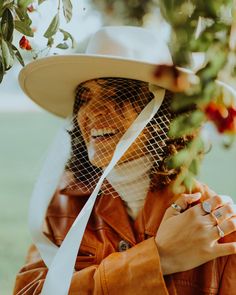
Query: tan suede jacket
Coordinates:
[119,256]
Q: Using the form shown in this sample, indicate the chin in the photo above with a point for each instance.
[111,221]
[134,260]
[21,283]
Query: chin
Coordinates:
[99,158]
[99,163]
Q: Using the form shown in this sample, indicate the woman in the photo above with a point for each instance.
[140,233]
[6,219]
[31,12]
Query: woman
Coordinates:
[141,238]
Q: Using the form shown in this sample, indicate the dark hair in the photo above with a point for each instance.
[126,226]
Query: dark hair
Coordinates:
[161,175]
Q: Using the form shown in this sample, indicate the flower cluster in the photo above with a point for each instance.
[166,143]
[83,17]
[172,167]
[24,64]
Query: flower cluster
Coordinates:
[223,117]
[25,44]
[16,17]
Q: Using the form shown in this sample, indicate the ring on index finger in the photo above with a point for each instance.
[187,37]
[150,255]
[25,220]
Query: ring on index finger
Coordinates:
[206,206]
[176,207]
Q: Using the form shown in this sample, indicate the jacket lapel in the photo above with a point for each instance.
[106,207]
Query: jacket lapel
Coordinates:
[111,209]
[154,208]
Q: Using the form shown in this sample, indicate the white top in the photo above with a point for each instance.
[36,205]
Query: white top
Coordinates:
[131,180]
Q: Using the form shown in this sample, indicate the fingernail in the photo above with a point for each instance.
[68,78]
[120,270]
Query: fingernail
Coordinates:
[197,195]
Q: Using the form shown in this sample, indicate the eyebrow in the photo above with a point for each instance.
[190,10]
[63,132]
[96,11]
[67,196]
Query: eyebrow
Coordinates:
[83,88]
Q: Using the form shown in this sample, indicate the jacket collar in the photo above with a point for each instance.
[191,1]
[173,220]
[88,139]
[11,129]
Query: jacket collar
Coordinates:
[111,209]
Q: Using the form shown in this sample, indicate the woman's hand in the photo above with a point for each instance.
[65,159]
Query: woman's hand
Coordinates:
[188,239]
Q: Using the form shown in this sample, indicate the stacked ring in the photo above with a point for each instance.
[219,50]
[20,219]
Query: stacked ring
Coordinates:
[176,207]
[220,231]
[216,215]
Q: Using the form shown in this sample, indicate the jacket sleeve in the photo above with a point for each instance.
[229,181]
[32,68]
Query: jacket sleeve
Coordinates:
[135,271]
[228,281]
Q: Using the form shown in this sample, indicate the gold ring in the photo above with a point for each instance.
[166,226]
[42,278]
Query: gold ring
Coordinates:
[216,215]
[215,218]
[176,207]
[220,231]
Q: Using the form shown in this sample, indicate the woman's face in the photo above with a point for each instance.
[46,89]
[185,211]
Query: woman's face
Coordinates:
[103,121]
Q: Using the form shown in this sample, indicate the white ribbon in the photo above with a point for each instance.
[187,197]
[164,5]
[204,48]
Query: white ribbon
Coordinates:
[44,189]
[61,261]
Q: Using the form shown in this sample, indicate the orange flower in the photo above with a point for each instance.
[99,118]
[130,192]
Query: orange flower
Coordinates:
[24,43]
[223,117]
[31,8]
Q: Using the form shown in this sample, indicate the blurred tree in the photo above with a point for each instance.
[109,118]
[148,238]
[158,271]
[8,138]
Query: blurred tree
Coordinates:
[128,12]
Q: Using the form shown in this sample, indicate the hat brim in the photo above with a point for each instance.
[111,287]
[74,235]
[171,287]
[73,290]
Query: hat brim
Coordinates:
[51,82]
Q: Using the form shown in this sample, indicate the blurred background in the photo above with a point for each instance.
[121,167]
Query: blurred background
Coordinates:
[26,130]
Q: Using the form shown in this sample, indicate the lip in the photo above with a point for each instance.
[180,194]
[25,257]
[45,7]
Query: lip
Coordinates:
[104,138]
[95,132]
[101,126]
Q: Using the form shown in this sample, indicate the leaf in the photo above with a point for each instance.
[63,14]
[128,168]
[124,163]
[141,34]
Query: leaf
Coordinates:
[7,25]
[18,55]
[66,36]
[178,159]
[40,1]
[189,182]
[23,28]
[8,58]
[63,45]
[67,9]
[53,27]
[6,4]
[182,101]
[24,3]
[50,42]
[1,8]
[194,166]
[23,16]
[2,71]
[186,124]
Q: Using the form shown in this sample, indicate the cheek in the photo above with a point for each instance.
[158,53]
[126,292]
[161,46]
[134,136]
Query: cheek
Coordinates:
[129,117]
[81,120]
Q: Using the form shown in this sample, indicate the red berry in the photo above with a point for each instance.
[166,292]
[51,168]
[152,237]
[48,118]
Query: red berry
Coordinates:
[30,8]
[24,43]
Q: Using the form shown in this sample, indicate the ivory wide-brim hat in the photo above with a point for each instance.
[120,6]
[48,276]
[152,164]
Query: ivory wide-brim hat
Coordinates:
[124,51]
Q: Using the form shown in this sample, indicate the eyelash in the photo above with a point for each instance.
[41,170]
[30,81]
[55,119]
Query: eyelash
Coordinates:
[83,101]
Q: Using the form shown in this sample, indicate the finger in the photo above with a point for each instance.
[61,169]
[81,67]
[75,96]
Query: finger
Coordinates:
[225,212]
[226,249]
[213,203]
[182,203]
[227,227]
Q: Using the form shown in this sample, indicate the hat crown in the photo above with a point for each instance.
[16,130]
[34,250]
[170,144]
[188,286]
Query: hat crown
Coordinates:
[133,43]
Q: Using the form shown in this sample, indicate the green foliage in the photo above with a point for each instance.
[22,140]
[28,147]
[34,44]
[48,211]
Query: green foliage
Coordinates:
[7,25]
[187,161]
[24,3]
[186,124]
[23,28]
[68,36]
[15,17]
[127,12]
[197,26]
[1,69]
[53,27]
[67,9]
[7,55]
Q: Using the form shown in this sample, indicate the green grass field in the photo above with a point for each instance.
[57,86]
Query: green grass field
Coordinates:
[25,138]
